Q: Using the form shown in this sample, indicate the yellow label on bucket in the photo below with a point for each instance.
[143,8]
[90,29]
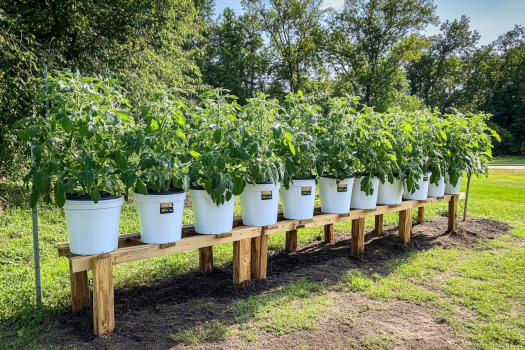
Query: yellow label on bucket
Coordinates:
[166,208]
[306,191]
[266,195]
[342,188]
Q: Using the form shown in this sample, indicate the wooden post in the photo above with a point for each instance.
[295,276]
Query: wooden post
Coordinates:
[452,213]
[241,260]
[103,304]
[260,255]
[379,225]
[421,215]
[291,241]
[358,236]
[206,259]
[79,289]
[405,225]
[329,233]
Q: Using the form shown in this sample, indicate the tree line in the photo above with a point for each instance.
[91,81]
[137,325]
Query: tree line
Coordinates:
[376,49]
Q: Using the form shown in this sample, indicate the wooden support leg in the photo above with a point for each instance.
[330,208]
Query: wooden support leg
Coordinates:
[103,304]
[241,260]
[259,255]
[421,215]
[206,259]
[291,241]
[79,289]
[405,225]
[452,213]
[358,236]
[379,225]
[329,233]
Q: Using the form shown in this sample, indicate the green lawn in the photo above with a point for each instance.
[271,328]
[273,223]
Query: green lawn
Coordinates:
[489,282]
[514,160]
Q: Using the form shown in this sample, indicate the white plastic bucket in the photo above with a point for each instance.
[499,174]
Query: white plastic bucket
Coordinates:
[298,201]
[93,228]
[260,204]
[449,189]
[437,191]
[390,194]
[210,219]
[335,198]
[420,194]
[360,200]
[160,216]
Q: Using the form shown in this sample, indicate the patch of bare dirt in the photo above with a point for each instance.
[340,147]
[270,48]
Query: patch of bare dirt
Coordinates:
[147,315]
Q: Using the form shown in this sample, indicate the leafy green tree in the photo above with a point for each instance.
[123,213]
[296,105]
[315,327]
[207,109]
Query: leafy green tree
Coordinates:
[235,56]
[437,75]
[367,43]
[294,30]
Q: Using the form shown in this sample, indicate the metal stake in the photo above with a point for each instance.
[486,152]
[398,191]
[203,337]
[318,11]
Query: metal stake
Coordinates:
[36,249]
[466,199]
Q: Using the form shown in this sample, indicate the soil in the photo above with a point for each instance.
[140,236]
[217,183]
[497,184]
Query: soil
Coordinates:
[147,315]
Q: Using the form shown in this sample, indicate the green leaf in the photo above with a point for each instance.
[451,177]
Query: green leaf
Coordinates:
[41,181]
[95,195]
[292,148]
[35,195]
[217,136]
[128,178]
[66,125]
[121,160]
[195,154]
[60,193]
[24,134]
[141,188]
[179,117]
[88,178]
[443,134]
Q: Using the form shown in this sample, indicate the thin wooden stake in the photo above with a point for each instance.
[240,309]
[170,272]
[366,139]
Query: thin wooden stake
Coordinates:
[329,236]
[358,236]
[103,303]
[291,241]
[241,260]
[379,225]
[259,255]
[206,259]
[452,213]
[421,215]
[405,225]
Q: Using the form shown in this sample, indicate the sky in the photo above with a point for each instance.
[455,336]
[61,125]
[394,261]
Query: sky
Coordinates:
[491,18]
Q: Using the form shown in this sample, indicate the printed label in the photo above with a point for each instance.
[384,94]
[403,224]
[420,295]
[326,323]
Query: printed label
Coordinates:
[425,178]
[341,188]
[306,191]
[166,208]
[266,195]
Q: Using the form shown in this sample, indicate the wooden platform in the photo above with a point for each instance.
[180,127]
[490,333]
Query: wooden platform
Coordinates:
[250,246]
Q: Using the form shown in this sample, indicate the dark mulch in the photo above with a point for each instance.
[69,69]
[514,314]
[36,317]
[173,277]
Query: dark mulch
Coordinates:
[147,315]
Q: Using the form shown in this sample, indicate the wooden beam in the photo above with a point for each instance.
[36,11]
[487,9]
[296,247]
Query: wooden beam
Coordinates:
[421,215]
[291,241]
[241,261]
[452,213]
[379,225]
[259,259]
[146,251]
[79,290]
[358,236]
[405,225]
[206,259]
[329,233]
[103,303]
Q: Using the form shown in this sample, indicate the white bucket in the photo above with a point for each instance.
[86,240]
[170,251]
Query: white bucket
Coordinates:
[260,204]
[390,194]
[360,200]
[93,228]
[335,199]
[420,194]
[298,201]
[160,216]
[449,189]
[437,191]
[210,219]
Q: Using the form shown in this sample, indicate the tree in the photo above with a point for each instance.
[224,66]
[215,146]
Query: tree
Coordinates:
[235,56]
[293,28]
[439,73]
[367,43]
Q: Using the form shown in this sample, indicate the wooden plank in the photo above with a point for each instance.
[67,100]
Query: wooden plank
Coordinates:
[291,241]
[146,251]
[241,260]
[379,225]
[206,259]
[405,225]
[103,303]
[421,215]
[329,236]
[79,290]
[452,213]
[358,236]
[259,255]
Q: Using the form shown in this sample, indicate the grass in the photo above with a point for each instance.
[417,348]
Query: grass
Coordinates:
[508,160]
[488,283]
[207,332]
[377,342]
